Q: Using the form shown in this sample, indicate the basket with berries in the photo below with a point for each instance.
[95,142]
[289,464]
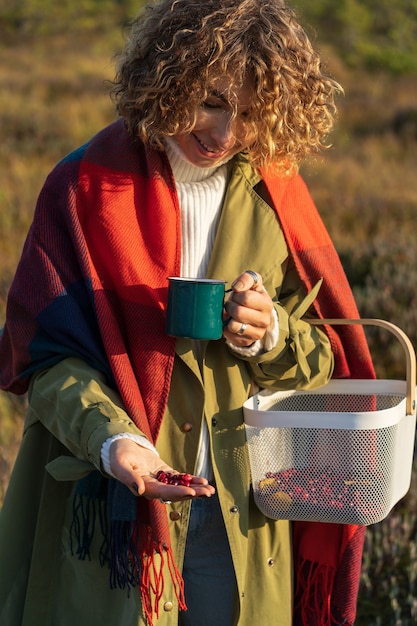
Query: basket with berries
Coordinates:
[342,453]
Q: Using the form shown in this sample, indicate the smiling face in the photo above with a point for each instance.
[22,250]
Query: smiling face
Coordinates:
[218,134]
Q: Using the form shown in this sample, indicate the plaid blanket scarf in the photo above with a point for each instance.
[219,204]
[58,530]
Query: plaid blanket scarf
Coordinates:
[92,283]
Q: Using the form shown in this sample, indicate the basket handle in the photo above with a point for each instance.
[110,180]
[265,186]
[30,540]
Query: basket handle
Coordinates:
[410,355]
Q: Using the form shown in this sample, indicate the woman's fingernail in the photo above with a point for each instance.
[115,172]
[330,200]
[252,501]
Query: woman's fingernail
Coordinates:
[238,286]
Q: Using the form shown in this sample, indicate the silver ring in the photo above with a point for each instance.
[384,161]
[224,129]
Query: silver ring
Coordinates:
[165,501]
[242,329]
[254,276]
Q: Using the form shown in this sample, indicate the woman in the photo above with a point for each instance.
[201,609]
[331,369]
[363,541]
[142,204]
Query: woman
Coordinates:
[218,103]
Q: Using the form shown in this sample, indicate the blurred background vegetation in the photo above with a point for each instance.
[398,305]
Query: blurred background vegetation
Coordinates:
[54,62]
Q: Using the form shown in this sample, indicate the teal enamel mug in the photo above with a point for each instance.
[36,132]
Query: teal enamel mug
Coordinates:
[195,307]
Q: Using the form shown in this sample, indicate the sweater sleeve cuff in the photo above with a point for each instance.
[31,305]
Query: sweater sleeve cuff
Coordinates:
[105,448]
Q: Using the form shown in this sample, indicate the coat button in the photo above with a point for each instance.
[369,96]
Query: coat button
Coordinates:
[175,516]
[271,562]
[168,606]
[234,509]
[186,427]
[214,422]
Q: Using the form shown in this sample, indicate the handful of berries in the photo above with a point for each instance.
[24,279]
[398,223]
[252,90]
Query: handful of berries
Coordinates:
[168,478]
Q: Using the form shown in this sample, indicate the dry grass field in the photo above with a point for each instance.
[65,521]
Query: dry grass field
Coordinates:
[53,97]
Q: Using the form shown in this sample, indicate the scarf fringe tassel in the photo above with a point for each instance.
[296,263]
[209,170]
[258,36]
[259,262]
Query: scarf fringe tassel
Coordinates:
[313,593]
[129,550]
[86,511]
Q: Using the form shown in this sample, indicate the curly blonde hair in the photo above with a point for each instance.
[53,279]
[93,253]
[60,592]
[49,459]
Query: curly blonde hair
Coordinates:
[176,47]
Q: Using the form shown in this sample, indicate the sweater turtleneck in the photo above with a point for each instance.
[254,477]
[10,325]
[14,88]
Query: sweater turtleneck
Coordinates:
[200,193]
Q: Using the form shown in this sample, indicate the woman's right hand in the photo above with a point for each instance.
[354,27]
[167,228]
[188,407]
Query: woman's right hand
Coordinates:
[137,467]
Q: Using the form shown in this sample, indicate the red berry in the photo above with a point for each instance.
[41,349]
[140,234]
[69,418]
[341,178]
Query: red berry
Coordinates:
[174,479]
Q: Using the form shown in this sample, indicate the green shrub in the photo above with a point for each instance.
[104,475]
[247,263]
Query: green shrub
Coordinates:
[388,589]
[46,17]
[372,34]
[383,275]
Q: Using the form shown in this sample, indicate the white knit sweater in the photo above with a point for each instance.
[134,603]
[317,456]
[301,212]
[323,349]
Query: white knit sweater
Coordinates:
[200,193]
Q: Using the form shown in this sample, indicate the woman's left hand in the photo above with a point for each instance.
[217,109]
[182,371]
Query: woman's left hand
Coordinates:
[248,310]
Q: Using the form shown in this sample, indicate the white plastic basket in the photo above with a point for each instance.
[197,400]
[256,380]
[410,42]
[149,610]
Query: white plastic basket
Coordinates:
[342,453]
